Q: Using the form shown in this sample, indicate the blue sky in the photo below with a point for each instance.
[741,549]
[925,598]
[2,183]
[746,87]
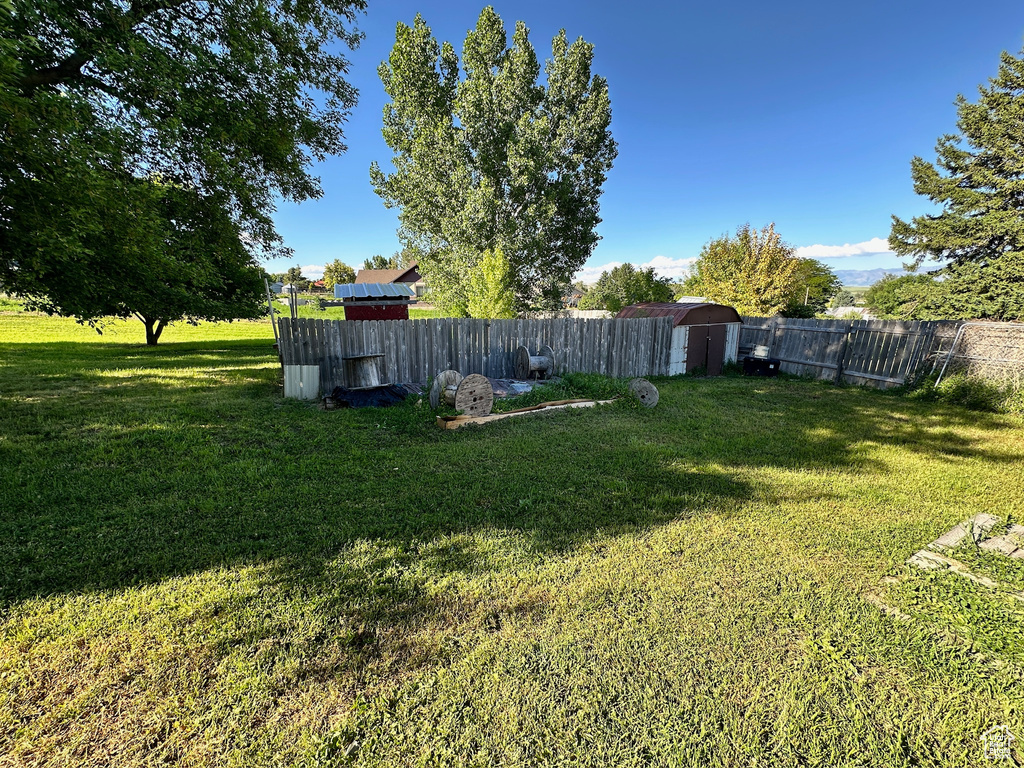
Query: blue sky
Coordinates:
[801,113]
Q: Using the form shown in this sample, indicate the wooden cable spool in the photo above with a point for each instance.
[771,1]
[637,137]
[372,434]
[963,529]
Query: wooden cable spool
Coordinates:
[645,392]
[471,395]
[444,387]
[474,396]
[541,364]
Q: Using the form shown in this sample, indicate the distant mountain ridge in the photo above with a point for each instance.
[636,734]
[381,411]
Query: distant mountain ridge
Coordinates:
[860,277]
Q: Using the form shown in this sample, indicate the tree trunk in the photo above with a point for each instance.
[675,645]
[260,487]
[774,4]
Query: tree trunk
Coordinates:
[154,328]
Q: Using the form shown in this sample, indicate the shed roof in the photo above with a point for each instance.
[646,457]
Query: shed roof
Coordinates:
[683,314]
[373,291]
[408,274]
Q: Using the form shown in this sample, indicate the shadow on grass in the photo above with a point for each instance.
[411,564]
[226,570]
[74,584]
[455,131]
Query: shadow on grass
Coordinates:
[163,461]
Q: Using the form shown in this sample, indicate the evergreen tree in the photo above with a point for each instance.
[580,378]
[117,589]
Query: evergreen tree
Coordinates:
[977,179]
[296,278]
[842,298]
[495,160]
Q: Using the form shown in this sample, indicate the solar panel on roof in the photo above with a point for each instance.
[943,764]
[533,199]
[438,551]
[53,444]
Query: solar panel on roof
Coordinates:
[373,291]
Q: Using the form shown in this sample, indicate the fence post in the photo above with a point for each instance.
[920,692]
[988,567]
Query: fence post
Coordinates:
[841,361]
[952,349]
[773,328]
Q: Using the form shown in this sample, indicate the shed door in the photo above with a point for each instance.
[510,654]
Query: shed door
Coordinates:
[697,347]
[706,348]
[716,349]
[677,352]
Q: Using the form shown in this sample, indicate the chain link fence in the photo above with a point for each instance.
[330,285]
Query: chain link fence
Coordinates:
[990,351]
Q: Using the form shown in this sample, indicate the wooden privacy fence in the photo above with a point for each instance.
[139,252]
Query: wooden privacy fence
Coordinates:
[415,350]
[881,353]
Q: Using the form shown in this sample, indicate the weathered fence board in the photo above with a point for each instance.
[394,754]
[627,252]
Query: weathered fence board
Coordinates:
[415,350]
[880,353]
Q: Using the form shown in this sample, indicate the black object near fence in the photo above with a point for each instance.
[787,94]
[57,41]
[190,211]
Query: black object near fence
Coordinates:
[879,353]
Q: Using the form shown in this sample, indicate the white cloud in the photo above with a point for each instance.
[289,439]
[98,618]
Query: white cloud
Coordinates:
[664,266]
[876,245]
[313,271]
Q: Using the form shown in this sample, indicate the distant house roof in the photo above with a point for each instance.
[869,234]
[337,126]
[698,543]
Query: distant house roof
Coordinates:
[373,290]
[405,275]
[683,314]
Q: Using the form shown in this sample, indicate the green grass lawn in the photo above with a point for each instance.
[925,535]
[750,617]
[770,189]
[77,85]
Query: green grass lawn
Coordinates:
[195,571]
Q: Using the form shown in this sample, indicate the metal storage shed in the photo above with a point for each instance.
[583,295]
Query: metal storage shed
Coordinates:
[375,301]
[705,335]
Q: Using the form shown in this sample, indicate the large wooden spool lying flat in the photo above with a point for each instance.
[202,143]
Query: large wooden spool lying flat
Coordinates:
[471,395]
[444,387]
[645,392]
[542,364]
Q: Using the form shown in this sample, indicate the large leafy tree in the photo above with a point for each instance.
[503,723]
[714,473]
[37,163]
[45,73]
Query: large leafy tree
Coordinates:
[338,273]
[814,284]
[182,260]
[968,291]
[625,285]
[495,160]
[978,180]
[755,272]
[231,100]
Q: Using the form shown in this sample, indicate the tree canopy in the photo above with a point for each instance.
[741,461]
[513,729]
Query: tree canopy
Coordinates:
[979,232]
[625,285]
[842,298]
[490,287]
[814,285]
[338,273]
[100,101]
[381,262]
[295,277]
[187,263]
[495,160]
[967,292]
[755,272]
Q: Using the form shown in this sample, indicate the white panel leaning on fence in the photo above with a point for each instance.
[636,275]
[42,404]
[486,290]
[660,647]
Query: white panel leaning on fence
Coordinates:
[413,351]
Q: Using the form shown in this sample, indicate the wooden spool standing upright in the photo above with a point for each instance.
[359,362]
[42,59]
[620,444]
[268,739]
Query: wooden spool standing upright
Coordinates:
[474,396]
[363,371]
[541,364]
[471,395]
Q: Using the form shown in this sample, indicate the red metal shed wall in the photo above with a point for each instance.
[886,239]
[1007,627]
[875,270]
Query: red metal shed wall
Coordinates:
[356,312]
